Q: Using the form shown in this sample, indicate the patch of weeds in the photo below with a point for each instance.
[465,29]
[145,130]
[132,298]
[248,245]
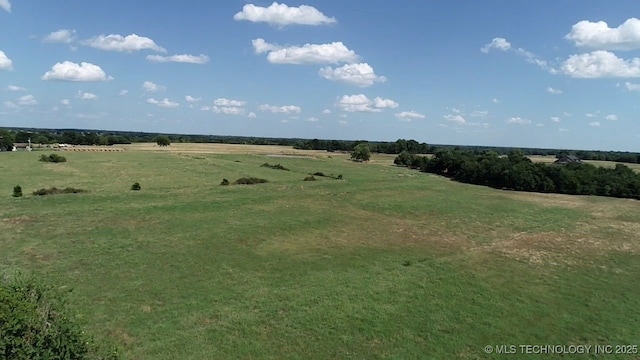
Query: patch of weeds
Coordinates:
[54,158]
[249,181]
[224,182]
[17,191]
[321,174]
[136,186]
[310,178]
[56,191]
[275,167]
[406,263]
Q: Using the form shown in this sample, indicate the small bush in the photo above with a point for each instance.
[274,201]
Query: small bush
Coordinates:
[54,158]
[17,191]
[319,174]
[56,191]
[276,166]
[339,177]
[224,182]
[250,181]
[35,323]
[136,186]
[310,178]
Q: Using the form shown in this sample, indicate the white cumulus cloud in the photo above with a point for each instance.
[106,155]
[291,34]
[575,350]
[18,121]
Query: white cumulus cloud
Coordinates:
[312,119]
[594,124]
[479,113]
[381,103]
[191,99]
[86,96]
[27,100]
[123,92]
[518,121]
[5,62]
[326,111]
[555,119]
[598,35]
[361,75]
[457,118]
[150,86]
[65,102]
[283,15]
[409,115]
[62,36]
[252,115]
[632,86]
[228,110]
[6,5]
[119,43]
[287,109]
[356,103]
[229,102]
[553,91]
[611,117]
[600,64]
[332,53]
[496,43]
[70,71]
[15,88]
[361,103]
[183,58]
[164,103]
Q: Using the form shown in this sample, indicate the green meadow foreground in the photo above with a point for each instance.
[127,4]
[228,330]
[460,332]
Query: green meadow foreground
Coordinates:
[387,263]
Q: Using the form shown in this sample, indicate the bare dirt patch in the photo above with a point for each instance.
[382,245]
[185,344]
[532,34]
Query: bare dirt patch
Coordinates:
[18,220]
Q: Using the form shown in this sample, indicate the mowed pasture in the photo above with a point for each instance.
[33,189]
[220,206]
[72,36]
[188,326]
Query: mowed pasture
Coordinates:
[388,263]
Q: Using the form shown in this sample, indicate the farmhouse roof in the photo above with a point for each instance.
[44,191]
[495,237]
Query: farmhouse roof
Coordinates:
[568,159]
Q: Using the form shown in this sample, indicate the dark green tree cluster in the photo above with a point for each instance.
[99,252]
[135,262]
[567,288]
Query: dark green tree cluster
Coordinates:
[396,147]
[517,172]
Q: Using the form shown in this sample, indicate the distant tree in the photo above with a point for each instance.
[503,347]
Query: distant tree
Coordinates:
[361,152]
[6,140]
[163,140]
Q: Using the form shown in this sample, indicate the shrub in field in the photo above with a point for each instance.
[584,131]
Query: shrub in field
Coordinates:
[56,191]
[310,178]
[17,191]
[224,182]
[136,186]
[250,181]
[54,158]
[276,166]
[319,174]
[35,323]
[361,152]
[163,140]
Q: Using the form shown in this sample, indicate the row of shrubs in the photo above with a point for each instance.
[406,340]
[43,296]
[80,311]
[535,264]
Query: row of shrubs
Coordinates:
[17,190]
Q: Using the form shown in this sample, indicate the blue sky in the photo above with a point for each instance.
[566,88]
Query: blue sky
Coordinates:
[559,74]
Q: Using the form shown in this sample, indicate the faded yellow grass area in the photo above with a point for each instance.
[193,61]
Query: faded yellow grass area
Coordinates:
[237,149]
[607,230]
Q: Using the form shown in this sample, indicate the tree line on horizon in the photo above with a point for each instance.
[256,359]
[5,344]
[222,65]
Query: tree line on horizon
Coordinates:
[9,136]
[517,172]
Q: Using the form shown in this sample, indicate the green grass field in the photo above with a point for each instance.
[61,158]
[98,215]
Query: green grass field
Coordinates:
[389,263]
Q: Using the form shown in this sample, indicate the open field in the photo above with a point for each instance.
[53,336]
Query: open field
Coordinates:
[608,164]
[388,263]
